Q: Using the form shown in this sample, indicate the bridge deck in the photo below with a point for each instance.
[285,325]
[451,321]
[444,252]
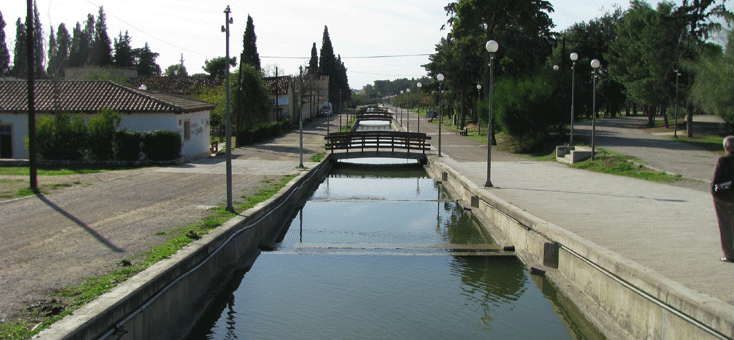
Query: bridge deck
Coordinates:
[391,144]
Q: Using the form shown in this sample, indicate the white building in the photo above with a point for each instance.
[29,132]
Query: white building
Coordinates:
[141,111]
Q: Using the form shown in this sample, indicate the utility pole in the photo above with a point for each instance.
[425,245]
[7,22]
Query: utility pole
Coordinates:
[31,97]
[225,29]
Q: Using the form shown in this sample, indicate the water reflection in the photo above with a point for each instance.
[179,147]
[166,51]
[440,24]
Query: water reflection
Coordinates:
[290,293]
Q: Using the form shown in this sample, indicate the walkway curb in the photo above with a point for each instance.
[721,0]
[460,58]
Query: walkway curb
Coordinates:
[640,300]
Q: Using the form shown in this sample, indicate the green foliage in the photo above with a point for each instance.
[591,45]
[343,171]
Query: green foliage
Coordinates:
[162,145]
[217,67]
[102,134]
[128,145]
[526,110]
[712,90]
[264,131]
[249,45]
[64,137]
[253,98]
[4,53]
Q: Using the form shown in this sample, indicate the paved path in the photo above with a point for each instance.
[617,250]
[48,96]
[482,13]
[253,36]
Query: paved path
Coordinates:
[56,239]
[669,229]
[627,136]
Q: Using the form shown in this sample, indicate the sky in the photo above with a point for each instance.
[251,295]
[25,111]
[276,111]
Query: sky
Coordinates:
[376,39]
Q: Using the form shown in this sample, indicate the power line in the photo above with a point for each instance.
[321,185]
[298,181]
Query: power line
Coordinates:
[362,57]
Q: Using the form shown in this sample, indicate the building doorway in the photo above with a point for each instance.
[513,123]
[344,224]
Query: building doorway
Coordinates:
[6,141]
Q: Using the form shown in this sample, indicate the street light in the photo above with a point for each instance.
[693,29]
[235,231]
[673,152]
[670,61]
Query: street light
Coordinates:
[595,65]
[419,103]
[407,113]
[555,68]
[401,107]
[440,110]
[573,57]
[491,47]
[675,129]
[479,96]
[228,124]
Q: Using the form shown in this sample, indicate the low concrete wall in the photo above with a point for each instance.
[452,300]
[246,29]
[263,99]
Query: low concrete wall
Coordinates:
[165,300]
[634,302]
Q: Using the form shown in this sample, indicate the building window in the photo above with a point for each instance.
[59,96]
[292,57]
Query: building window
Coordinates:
[187,130]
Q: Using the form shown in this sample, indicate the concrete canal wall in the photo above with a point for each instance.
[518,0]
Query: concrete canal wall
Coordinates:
[165,300]
[622,298]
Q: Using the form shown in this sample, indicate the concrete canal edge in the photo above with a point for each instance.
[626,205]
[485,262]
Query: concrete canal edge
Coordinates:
[166,300]
[623,299]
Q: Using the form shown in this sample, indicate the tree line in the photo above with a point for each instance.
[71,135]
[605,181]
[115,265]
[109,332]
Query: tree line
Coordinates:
[644,52]
[86,45]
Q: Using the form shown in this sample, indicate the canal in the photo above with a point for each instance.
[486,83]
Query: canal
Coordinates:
[374,253]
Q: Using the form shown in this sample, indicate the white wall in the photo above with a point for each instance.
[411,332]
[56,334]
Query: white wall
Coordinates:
[197,145]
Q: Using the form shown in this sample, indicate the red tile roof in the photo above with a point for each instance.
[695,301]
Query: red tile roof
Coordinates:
[92,96]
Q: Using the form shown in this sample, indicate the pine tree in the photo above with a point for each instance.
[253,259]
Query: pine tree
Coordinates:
[4,53]
[124,56]
[102,50]
[20,61]
[146,62]
[249,45]
[313,63]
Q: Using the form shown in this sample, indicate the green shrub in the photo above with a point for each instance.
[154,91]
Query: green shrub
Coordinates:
[102,134]
[263,132]
[128,145]
[162,145]
[63,137]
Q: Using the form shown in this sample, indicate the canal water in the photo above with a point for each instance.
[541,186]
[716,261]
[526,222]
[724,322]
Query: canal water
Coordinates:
[370,256]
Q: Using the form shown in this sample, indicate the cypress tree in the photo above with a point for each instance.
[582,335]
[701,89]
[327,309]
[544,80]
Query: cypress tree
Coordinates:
[38,52]
[327,65]
[102,49]
[20,61]
[313,63]
[4,53]
[52,51]
[249,45]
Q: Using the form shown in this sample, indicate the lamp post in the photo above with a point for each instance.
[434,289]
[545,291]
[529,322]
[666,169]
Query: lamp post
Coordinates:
[675,128]
[419,103]
[440,78]
[401,107]
[407,113]
[479,95]
[573,57]
[228,124]
[595,65]
[491,47]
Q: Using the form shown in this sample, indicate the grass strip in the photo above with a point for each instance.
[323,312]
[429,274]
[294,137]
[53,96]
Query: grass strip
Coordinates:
[50,171]
[622,165]
[64,301]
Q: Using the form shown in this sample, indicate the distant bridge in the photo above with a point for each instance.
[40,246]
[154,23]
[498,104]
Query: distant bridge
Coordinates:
[381,144]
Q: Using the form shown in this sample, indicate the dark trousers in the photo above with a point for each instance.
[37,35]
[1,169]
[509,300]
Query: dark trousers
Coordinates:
[725,214]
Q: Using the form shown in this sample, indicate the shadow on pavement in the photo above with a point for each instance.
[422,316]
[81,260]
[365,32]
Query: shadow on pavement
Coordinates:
[78,222]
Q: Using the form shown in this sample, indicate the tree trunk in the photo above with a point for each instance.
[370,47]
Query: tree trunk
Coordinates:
[665,116]
[627,107]
[689,121]
[634,109]
[463,108]
[650,115]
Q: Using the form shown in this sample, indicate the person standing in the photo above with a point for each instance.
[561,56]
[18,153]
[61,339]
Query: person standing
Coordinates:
[724,198]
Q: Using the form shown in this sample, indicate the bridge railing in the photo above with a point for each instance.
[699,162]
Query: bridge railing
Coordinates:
[385,141]
[384,116]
